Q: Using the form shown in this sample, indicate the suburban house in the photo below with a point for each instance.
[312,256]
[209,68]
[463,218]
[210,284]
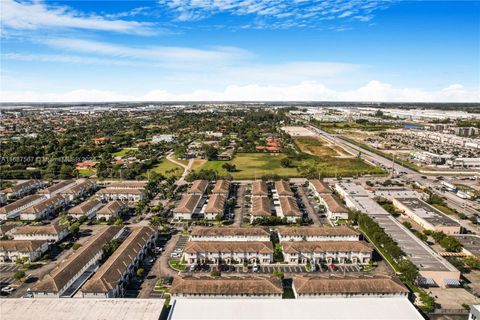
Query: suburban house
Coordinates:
[221,187]
[197,252]
[282,189]
[88,209]
[112,209]
[289,208]
[198,187]
[340,233]
[227,287]
[188,205]
[316,252]
[127,194]
[215,206]
[335,209]
[319,187]
[229,234]
[347,287]
[57,188]
[82,263]
[12,210]
[259,188]
[85,165]
[13,250]
[22,189]
[112,277]
[260,208]
[44,209]
[49,232]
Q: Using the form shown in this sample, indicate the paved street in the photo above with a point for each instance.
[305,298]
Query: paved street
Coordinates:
[312,214]
[240,204]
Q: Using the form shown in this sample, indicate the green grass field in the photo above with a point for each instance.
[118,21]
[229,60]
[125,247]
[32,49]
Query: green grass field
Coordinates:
[168,168]
[253,165]
[86,172]
[123,152]
[314,146]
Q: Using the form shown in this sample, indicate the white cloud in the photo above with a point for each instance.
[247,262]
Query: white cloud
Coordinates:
[37,15]
[181,55]
[304,91]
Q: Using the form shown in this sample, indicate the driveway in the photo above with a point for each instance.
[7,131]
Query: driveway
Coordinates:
[308,207]
[240,203]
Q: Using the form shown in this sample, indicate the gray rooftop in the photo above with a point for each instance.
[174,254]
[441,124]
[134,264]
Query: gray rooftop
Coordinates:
[426,212]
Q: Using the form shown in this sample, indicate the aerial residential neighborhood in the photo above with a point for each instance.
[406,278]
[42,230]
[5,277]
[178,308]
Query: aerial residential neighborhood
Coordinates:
[239,160]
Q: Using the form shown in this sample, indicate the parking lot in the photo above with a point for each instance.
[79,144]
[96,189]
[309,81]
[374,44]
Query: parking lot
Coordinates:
[6,274]
[179,246]
[271,268]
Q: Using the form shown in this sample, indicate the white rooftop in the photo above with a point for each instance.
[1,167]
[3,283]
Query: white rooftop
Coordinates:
[294,309]
[81,309]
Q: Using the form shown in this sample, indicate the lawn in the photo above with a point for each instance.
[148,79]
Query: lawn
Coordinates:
[314,146]
[122,153]
[332,166]
[252,165]
[168,168]
[86,172]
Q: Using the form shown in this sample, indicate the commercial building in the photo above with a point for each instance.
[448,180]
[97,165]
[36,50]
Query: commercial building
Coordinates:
[88,209]
[112,277]
[75,309]
[434,269]
[189,205]
[49,232]
[111,210]
[13,250]
[215,206]
[12,210]
[261,207]
[196,252]
[427,216]
[289,209]
[347,287]
[198,187]
[354,308]
[68,276]
[340,233]
[470,163]
[229,234]
[263,287]
[317,252]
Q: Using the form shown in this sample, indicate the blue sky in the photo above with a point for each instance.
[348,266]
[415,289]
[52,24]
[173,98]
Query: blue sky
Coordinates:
[344,50]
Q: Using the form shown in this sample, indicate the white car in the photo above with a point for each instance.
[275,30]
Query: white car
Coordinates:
[8,289]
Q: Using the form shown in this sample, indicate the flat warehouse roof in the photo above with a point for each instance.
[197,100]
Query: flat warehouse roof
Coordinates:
[81,309]
[322,308]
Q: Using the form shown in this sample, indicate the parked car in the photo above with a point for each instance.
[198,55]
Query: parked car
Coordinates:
[8,289]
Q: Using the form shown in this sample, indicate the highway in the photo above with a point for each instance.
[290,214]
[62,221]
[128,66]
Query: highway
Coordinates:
[465,206]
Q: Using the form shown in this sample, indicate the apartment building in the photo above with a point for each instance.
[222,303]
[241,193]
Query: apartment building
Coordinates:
[259,188]
[221,187]
[335,209]
[189,205]
[21,189]
[340,233]
[229,234]
[261,207]
[228,252]
[347,287]
[112,277]
[81,188]
[126,194]
[265,287]
[215,206]
[57,188]
[12,210]
[282,189]
[139,185]
[13,250]
[49,232]
[88,209]
[289,209]
[45,208]
[319,187]
[111,210]
[316,252]
[77,267]
[198,187]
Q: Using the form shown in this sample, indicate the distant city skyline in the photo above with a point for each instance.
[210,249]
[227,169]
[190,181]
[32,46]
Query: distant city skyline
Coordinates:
[246,50]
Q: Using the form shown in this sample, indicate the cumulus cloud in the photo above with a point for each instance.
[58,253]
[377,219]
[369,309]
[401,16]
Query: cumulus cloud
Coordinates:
[304,91]
[37,15]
